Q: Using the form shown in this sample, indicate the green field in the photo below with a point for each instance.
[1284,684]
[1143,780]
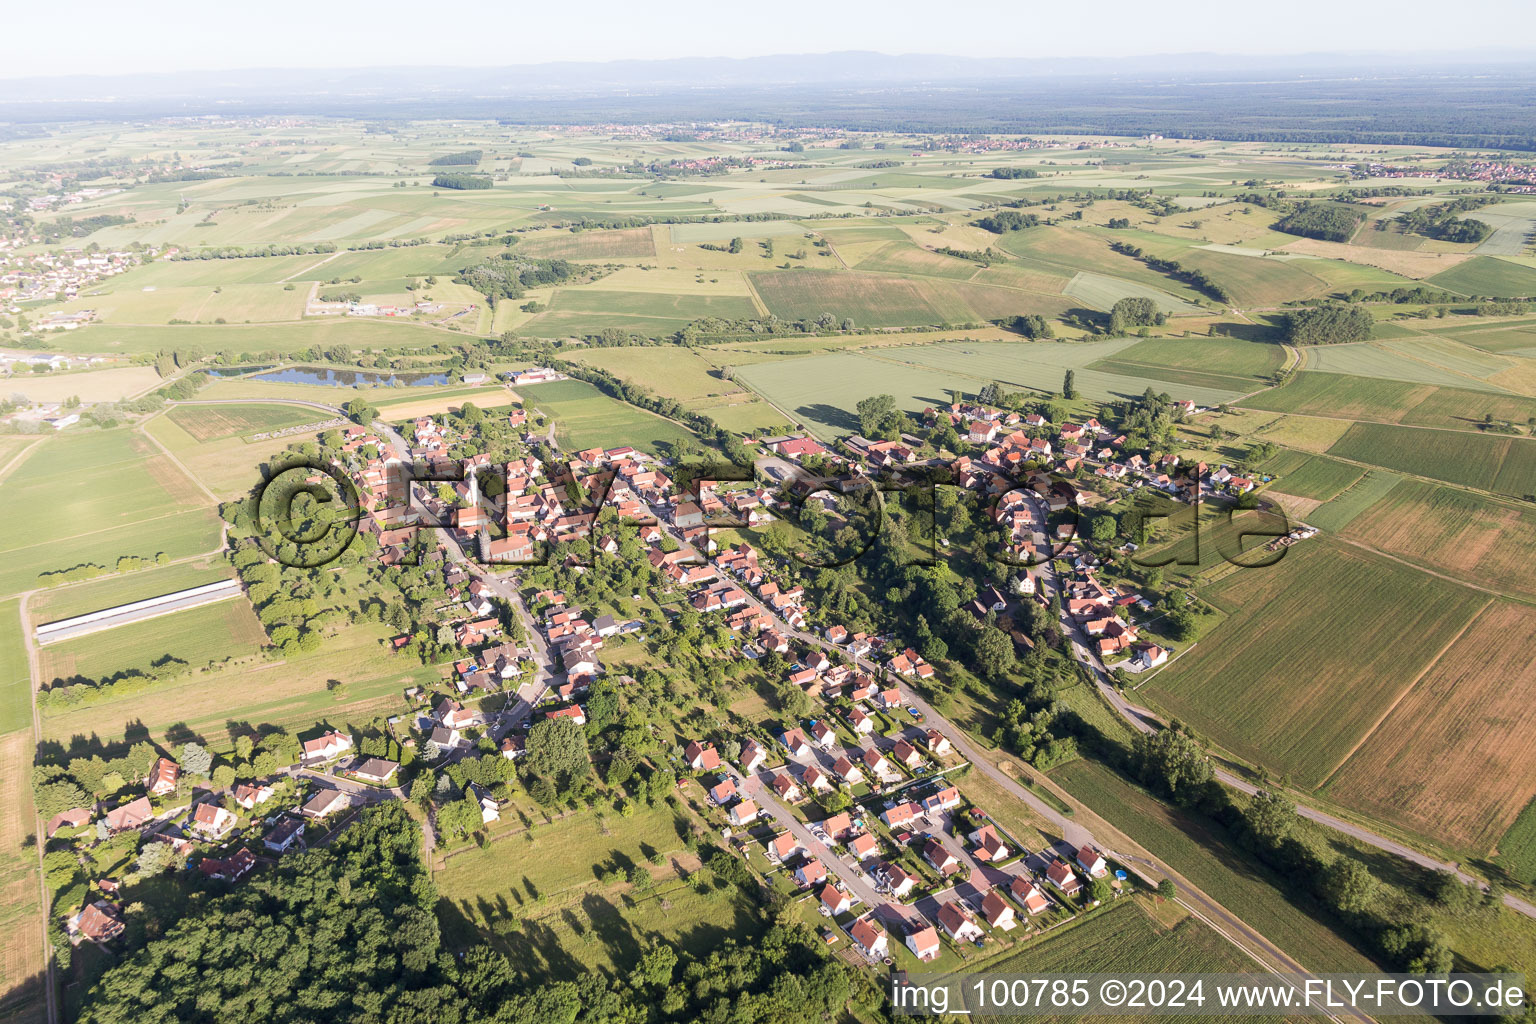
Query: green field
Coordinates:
[92,497]
[1488,275]
[1123,938]
[1316,477]
[1100,291]
[1225,356]
[352,678]
[1409,360]
[1365,493]
[587,418]
[567,921]
[194,637]
[1517,849]
[1391,401]
[1245,686]
[1481,540]
[1490,462]
[15,673]
[1208,857]
[590,245]
[111,591]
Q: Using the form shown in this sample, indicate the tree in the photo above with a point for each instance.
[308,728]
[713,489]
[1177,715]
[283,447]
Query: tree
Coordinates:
[1166,889]
[993,653]
[1069,385]
[196,760]
[1270,817]
[557,750]
[1348,886]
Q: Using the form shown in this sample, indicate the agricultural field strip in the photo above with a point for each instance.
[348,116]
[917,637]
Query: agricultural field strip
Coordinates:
[1405,691]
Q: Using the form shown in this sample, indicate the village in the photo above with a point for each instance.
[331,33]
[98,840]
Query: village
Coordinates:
[859,802]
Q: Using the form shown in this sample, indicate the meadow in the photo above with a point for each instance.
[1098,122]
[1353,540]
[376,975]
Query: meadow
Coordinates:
[1488,275]
[15,672]
[1228,357]
[1339,512]
[352,678]
[72,599]
[1415,360]
[193,637]
[228,466]
[590,245]
[1450,760]
[92,497]
[1316,477]
[587,418]
[210,423]
[533,893]
[1367,626]
[110,385]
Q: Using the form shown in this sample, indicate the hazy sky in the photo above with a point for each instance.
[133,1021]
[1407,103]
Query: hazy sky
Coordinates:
[114,37]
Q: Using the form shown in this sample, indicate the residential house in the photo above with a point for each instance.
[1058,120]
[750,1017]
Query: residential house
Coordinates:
[938,743]
[906,754]
[897,879]
[326,802]
[453,715]
[786,787]
[838,825]
[212,820]
[944,800]
[824,735]
[574,713]
[445,740]
[869,938]
[284,835]
[862,723]
[989,846]
[997,911]
[901,815]
[810,872]
[816,780]
[376,770]
[129,815]
[1063,878]
[784,847]
[795,742]
[228,869]
[723,792]
[939,857]
[752,756]
[743,813]
[100,922]
[957,924]
[72,818]
[1092,861]
[834,900]
[864,847]
[701,756]
[323,748]
[163,777]
[1029,895]
[924,943]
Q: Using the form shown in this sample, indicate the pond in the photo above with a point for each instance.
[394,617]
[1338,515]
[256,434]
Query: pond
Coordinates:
[348,378]
[236,371]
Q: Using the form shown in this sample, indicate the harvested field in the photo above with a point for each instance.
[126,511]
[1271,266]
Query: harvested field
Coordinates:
[1481,540]
[93,386]
[1290,679]
[1309,433]
[1417,265]
[1453,760]
[589,245]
